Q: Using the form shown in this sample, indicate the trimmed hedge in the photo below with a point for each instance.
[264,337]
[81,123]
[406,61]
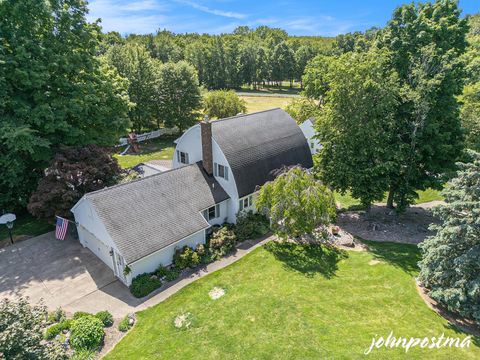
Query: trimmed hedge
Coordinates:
[144,284]
[80,314]
[86,333]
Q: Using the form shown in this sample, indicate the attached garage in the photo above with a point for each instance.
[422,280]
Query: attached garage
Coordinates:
[90,241]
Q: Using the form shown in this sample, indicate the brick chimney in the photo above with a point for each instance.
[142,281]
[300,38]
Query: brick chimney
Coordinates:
[207,156]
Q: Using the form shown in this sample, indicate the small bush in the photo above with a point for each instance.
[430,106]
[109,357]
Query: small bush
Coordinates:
[83,355]
[144,284]
[80,314]
[57,316]
[169,274]
[222,242]
[87,333]
[56,329]
[186,257]
[125,325]
[251,226]
[105,317]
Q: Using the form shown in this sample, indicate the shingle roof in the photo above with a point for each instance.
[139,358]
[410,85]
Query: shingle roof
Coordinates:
[259,143]
[146,215]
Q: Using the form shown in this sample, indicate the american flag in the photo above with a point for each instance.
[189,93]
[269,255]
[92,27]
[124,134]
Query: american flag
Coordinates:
[61,228]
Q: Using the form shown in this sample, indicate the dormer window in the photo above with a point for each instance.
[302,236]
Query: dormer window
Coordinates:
[221,171]
[182,157]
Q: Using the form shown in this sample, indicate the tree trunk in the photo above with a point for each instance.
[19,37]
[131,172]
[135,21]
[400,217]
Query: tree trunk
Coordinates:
[391,192]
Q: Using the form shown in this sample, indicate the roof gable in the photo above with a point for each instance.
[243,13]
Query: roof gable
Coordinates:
[257,144]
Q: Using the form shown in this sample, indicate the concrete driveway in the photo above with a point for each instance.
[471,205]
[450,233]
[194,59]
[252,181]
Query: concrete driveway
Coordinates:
[61,273]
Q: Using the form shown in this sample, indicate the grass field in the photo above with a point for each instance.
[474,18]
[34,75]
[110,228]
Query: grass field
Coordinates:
[346,201]
[26,225]
[286,301]
[156,149]
[260,103]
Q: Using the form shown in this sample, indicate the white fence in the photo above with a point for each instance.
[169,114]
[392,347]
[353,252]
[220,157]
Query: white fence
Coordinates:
[150,135]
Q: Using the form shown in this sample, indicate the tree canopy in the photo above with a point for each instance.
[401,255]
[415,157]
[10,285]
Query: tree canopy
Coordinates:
[296,203]
[223,103]
[450,268]
[53,90]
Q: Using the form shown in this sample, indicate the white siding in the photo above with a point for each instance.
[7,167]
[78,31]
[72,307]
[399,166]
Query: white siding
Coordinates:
[229,185]
[309,132]
[190,143]
[165,256]
[224,213]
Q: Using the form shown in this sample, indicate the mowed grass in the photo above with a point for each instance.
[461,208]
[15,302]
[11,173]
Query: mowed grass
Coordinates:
[260,103]
[156,149]
[287,301]
[26,224]
[347,201]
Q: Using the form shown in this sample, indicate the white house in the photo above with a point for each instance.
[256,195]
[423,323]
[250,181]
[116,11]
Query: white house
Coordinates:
[217,168]
[308,130]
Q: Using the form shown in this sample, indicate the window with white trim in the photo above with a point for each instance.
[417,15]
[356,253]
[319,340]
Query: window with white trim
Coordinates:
[245,203]
[220,171]
[212,213]
[312,145]
[182,157]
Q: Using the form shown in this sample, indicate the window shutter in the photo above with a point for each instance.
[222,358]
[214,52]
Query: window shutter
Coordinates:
[215,171]
[240,205]
[217,211]
[186,159]
[226,173]
[178,156]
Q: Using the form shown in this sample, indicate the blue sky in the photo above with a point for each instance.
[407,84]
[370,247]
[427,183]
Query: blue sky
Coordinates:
[312,17]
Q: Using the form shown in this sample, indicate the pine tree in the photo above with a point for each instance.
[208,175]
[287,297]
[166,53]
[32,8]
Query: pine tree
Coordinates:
[450,267]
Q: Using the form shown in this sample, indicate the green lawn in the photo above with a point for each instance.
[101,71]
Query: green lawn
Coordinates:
[26,225]
[156,149]
[260,103]
[346,201]
[285,301]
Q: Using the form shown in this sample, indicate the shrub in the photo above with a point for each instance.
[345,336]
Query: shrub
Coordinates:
[251,226]
[124,324]
[144,284]
[87,333]
[222,242]
[83,355]
[185,257]
[80,314]
[57,316]
[169,274]
[105,317]
[56,329]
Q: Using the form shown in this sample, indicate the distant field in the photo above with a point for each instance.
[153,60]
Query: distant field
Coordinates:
[260,103]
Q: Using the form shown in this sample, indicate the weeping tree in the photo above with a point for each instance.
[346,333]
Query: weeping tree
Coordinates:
[450,266]
[296,203]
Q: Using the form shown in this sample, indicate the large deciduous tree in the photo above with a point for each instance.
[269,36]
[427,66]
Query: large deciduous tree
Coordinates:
[450,266]
[223,103]
[296,203]
[53,90]
[177,94]
[72,173]
[426,42]
[135,64]
[355,126]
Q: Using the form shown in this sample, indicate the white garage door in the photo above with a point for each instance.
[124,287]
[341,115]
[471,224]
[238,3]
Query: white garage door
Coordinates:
[96,246]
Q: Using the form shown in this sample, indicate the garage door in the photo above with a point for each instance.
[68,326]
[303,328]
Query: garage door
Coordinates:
[96,246]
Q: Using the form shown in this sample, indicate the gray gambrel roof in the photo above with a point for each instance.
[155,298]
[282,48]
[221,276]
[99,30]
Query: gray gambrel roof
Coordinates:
[259,143]
[146,215]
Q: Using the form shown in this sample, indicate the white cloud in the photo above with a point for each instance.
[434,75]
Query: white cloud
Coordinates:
[138,16]
[228,14]
[319,25]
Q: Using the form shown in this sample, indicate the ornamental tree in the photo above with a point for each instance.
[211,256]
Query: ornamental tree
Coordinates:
[21,332]
[450,266]
[72,173]
[222,103]
[296,203]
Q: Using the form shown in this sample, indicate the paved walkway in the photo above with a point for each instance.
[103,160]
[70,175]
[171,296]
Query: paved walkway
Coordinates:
[63,273]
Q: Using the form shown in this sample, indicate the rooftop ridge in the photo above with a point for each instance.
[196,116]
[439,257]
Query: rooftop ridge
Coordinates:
[243,115]
[136,180]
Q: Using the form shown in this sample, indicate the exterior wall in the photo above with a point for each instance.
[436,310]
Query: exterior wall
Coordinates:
[91,232]
[164,256]
[229,185]
[189,142]
[309,132]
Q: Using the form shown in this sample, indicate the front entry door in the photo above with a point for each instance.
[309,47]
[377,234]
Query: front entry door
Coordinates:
[119,266]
